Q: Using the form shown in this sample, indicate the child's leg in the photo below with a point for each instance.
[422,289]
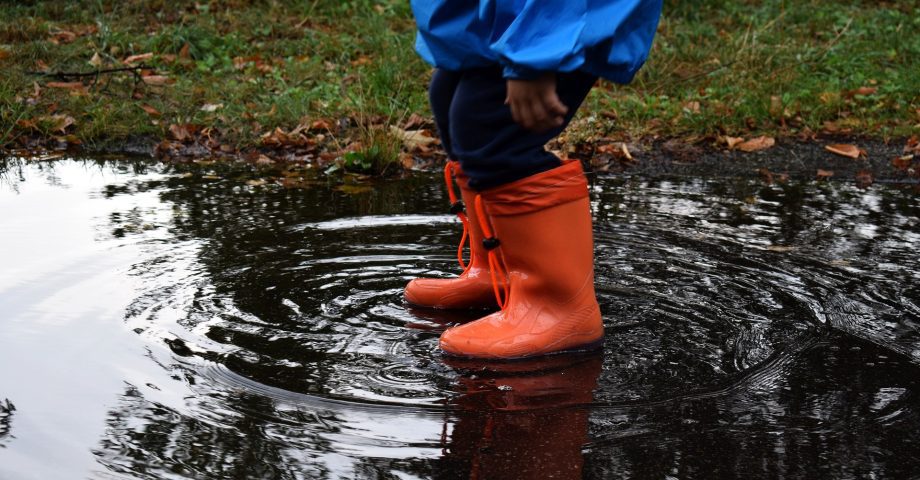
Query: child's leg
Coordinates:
[473,288]
[440,94]
[536,221]
[491,147]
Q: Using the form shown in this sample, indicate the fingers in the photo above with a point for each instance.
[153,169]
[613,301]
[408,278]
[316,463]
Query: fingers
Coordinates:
[535,105]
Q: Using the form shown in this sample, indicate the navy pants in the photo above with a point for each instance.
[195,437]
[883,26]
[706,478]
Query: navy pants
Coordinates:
[477,129]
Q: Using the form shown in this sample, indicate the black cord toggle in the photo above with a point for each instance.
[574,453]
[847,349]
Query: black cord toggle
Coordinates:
[457,207]
[490,243]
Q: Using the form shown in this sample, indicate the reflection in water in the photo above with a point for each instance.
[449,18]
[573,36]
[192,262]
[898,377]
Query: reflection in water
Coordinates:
[752,330]
[6,417]
[525,419]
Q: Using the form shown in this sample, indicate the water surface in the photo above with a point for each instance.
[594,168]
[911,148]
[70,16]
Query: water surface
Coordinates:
[165,323]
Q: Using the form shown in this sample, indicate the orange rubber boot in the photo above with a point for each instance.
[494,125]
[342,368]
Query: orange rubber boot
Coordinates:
[473,288]
[541,257]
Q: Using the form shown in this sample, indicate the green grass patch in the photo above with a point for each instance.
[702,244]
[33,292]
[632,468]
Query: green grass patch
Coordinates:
[245,67]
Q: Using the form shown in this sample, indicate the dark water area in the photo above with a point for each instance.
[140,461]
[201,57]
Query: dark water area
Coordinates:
[160,323]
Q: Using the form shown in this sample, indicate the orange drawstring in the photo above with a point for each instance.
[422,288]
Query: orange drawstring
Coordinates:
[496,265]
[456,207]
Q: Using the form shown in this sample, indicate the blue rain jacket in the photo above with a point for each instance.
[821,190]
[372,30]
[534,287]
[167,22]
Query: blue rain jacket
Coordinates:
[609,38]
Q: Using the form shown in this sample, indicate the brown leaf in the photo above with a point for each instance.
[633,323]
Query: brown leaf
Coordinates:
[58,123]
[756,144]
[406,160]
[845,150]
[731,142]
[913,145]
[184,52]
[825,174]
[27,124]
[415,121]
[361,60]
[413,139]
[180,132]
[864,179]
[150,110]
[692,107]
[903,162]
[766,176]
[323,125]
[63,36]
[863,91]
[4,54]
[67,85]
[137,58]
[157,80]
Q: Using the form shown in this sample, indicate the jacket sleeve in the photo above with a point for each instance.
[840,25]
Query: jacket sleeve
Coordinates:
[534,36]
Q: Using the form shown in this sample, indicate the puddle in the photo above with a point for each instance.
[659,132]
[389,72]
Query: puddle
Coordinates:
[160,325]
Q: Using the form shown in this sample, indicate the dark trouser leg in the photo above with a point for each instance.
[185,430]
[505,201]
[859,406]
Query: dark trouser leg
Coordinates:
[491,147]
[440,95]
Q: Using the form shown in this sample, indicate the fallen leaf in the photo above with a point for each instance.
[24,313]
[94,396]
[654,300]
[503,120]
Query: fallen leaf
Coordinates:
[413,139]
[67,85]
[692,107]
[264,160]
[211,107]
[361,60]
[913,145]
[256,183]
[903,162]
[96,61]
[321,125]
[416,121]
[863,91]
[756,144]
[845,150]
[150,110]
[58,123]
[4,54]
[27,124]
[184,52]
[864,179]
[63,36]
[825,174]
[406,160]
[137,58]
[766,176]
[179,132]
[731,142]
[157,80]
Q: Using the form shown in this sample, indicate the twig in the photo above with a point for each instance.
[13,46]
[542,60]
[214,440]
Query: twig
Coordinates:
[96,73]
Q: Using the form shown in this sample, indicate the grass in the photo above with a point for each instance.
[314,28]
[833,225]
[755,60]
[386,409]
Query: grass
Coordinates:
[243,68]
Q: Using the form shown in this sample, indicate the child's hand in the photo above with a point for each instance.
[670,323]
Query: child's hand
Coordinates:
[534,103]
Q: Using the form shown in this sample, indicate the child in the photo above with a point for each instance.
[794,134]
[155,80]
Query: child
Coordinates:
[510,76]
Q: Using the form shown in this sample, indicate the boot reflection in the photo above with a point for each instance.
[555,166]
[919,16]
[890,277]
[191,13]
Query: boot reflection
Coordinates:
[522,420]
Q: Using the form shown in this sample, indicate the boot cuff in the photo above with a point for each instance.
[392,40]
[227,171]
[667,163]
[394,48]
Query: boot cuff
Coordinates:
[547,189]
